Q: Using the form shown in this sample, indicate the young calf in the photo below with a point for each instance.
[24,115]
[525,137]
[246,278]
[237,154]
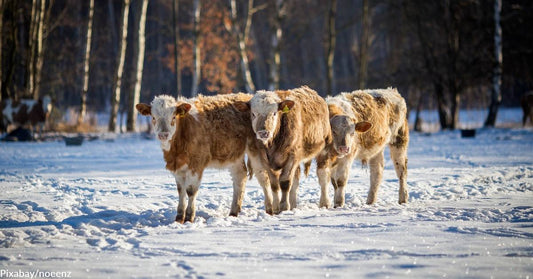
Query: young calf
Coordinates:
[292,127]
[363,123]
[200,133]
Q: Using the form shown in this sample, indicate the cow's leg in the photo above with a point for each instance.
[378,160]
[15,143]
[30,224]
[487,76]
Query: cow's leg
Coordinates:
[399,159]
[193,182]
[182,204]
[262,177]
[294,189]
[341,177]
[376,174]
[238,175]
[323,173]
[285,182]
[275,187]
[398,153]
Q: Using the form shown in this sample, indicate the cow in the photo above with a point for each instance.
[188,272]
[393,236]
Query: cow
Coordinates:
[25,111]
[206,131]
[292,128]
[363,122]
[527,107]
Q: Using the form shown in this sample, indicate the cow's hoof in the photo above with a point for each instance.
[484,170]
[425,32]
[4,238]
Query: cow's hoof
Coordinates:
[180,219]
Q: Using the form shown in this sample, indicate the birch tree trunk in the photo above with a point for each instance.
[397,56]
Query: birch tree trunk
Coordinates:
[496,96]
[136,94]
[1,45]
[363,55]
[330,52]
[275,56]
[117,82]
[83,105]
[176,32]
[39,51]
[197,63]
[32,44]
[242,37]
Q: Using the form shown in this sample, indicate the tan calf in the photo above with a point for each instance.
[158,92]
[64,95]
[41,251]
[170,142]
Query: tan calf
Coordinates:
[200,133]
[292,127]
[363,123]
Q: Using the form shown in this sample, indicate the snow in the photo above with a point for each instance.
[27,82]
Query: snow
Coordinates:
[106,209]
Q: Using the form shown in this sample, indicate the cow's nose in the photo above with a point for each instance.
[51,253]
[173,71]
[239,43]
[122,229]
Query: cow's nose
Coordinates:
[163,135]
[263,134]
[344,149]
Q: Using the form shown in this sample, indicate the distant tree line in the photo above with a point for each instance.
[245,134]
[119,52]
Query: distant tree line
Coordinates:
[106,55]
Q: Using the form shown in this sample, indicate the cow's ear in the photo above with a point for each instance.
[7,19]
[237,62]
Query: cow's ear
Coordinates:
[286,106]
[182,109]
[144,109]
[242,106]
[363,126]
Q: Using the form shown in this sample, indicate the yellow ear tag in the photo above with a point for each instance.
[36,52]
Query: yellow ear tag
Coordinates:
[285,109]
[181,114]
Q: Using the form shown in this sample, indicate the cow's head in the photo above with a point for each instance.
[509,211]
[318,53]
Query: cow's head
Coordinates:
[344,126]
[345,133]
[266,109]
[166,113]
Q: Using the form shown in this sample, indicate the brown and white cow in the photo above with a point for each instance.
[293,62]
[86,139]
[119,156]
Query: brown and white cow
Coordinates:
[363,122]
[292,127]
[203,132]
[25,111]
[527,107]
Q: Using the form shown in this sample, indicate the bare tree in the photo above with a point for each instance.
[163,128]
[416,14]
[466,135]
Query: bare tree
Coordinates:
[363,54]
[176,34]
[32,45]
[330,49]
[242,38]
[83,105]
[140,47]
[41,30]
[197,62]
[1,45]
[117,82]
[276,37]
[496,95]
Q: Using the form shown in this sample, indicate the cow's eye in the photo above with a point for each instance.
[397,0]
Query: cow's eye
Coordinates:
[253,115]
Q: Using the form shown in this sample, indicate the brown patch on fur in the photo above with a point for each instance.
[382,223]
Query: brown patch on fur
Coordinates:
[402,138]
[334,110]
[380,101]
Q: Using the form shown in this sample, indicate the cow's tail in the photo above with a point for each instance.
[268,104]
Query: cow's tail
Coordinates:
[250,169]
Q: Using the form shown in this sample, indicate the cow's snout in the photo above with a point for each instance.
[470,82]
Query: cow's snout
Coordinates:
[263,134]
[163,135]
[343,149]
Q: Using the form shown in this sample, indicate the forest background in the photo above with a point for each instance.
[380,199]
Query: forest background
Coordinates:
[104,56]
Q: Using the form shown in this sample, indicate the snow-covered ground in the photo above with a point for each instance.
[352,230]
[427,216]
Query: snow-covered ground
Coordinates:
[106,209]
